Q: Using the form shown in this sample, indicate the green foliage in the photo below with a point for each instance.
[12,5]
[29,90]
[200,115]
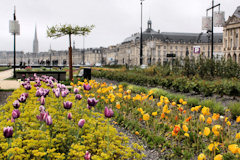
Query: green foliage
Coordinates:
[67,29]
[235,109]
[192,102]
[213,105]
[137,89]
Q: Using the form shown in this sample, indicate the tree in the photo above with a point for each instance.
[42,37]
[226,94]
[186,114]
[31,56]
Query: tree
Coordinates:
[63,30]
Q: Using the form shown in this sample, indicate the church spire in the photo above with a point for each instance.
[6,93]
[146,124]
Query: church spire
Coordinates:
[35,42]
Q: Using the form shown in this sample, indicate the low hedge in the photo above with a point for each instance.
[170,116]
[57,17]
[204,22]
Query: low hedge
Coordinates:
[230,87]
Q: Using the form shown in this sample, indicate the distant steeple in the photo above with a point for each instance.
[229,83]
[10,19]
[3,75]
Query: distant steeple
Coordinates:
[149,24]
[35,42]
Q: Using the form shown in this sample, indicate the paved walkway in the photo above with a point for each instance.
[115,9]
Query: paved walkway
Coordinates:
[8,84]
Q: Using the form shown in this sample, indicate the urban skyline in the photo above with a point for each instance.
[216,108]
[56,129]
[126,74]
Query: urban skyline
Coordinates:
[111,29]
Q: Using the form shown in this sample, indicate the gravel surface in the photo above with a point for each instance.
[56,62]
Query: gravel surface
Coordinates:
[151,154]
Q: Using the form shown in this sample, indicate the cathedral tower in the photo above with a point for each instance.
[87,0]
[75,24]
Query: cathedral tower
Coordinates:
[35,42]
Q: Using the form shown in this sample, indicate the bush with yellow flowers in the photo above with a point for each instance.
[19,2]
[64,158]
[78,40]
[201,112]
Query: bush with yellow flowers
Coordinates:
[49,122]
[175,129]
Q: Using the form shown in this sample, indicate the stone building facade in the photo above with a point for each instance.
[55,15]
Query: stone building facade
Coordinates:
[157,46]
[231,37]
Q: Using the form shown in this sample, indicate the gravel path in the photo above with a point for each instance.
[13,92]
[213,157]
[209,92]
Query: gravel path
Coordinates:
[151,154]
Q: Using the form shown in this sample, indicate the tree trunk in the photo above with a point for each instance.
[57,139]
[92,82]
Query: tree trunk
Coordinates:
[70,60]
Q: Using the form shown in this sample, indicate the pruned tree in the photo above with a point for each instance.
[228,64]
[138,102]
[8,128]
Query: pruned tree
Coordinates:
[63,30]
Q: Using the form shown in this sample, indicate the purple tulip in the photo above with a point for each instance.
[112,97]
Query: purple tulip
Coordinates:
[59,85]
[92,102]
[46,92]
[69,116]
[39,93]
[43,115]
[22,99]
[86,87]
[57,94]
[16,104]
[67,105]
[8,132]
[76,90]
[87,156]
[64,93]
[42,100]
[15,113]
[49,120]
[25,94]
[28,87]
[41,108]
[108,112]
[81,123]
[78,97]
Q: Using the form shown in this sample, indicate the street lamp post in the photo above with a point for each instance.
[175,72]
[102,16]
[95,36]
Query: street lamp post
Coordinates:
[212,43]
[14,28]
[141,45]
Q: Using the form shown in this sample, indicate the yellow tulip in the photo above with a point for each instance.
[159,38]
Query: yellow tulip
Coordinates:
[185,128]
[209,120]
[184,102]
[228,123]
[154,113]
[201,157]
[205,111]
[233,148]
[213,146]
[186,134]
[159,104]
[180,100]
[238,119]
[238,135]
[218,157]
[215,116]
[146,117]
[216,129]
[201,118]
[206,131]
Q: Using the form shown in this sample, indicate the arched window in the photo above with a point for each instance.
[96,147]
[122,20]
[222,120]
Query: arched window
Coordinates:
[229,56]
[235,58]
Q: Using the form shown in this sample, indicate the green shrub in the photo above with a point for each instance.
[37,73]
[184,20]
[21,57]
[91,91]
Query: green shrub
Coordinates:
[213,105]
[235,109]
[192,102]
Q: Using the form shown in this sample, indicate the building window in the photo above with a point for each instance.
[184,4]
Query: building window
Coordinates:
[176,47]
[165,47]
[159,53]
[170,47]
[159,47]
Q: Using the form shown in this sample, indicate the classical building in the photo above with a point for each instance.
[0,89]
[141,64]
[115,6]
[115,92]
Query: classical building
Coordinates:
[159,47]
[231,36]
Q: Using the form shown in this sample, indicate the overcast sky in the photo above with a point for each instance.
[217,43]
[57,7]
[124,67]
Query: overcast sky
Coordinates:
[114,20]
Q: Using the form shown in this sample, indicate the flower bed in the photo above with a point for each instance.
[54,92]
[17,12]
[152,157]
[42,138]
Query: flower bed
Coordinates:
[175,129]
[39,122]
[178,83]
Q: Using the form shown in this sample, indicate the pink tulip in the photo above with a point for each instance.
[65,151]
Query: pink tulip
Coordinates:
[69,116]
[81,123]
[87,156]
